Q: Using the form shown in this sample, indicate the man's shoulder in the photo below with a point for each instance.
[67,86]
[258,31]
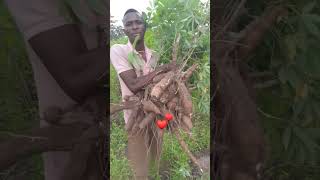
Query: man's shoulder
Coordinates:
[119,51]
[116,47]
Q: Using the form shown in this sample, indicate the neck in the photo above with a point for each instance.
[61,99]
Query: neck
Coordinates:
[139,46]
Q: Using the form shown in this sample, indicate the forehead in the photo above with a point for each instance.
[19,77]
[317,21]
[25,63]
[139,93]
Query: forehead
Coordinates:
[132,16]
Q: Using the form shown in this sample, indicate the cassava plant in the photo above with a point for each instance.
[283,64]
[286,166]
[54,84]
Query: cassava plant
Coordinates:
[164,104]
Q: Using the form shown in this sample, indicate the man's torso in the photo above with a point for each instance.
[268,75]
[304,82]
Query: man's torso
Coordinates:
[119,52]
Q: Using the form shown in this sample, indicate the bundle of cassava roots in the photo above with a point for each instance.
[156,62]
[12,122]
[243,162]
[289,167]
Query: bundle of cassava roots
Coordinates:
[166,100]
[165,104]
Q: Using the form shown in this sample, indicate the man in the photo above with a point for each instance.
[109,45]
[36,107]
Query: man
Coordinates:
[132,80]
[67,63]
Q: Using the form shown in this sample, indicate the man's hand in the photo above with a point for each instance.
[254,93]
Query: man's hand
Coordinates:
[135,83]
[167,67]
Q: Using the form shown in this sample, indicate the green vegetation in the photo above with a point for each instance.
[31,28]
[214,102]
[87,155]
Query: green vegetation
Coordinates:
[18,102]
[289,109]
[167,18]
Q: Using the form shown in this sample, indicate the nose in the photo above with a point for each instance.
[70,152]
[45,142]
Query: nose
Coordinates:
[134,26]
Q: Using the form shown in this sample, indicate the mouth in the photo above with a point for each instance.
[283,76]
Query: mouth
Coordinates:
[136,34]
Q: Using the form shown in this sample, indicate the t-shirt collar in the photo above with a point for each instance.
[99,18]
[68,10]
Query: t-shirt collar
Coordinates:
[147,50]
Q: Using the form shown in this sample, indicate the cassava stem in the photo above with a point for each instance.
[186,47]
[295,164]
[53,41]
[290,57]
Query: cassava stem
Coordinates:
[151,116]
[149,106]
[186,149]
[131,119]
[185,99]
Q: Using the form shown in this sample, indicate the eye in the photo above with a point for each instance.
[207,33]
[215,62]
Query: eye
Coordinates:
[128,24]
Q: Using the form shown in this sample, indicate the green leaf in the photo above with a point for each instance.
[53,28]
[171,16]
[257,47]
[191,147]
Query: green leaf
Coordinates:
[310,144]
[161,4]
[312,17]
[312,28]
[316,110]
[308,118]
[301,154]
[98,6]
[144,16]
[301,40]
[185,19]
[291,47]
[293,149]
[289,74]
[286,137]
[309,63]
[314,133]
[283,75]
[309,7]
[298,108]
[135,60]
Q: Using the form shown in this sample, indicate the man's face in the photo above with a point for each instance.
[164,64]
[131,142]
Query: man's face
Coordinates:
[133,26]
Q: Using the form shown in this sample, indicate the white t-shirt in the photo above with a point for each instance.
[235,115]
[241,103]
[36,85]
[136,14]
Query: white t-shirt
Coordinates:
[119,59]
[36,16]
[33,17]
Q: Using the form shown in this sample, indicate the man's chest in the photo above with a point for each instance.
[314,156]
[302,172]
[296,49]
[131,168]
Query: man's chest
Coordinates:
[148,62]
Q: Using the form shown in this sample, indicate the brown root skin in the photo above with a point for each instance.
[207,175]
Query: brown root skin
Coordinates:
[124,105]
[164,98]
[189,72]
[149,106]
[135,127]
[172,89]
[150,117]
[169,93]
[171,105]
[159,88]
[132,119]
[185,99]
[187,121]
[164,111]
[158,77]
[175,49]
[135,97]
[186,149]
[126,98]
[186,130]
[134,130]
[256,30]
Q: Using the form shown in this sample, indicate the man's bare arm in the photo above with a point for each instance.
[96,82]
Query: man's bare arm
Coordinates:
[64,53]
[135,84]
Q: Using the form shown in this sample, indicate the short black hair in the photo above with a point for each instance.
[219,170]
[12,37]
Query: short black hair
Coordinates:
[134,10]
[129,11]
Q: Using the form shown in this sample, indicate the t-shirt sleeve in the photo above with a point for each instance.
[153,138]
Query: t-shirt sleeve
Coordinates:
[35,16]
[118,60]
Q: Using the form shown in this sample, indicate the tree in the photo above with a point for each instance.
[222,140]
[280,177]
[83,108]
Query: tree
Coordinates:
[116,31]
